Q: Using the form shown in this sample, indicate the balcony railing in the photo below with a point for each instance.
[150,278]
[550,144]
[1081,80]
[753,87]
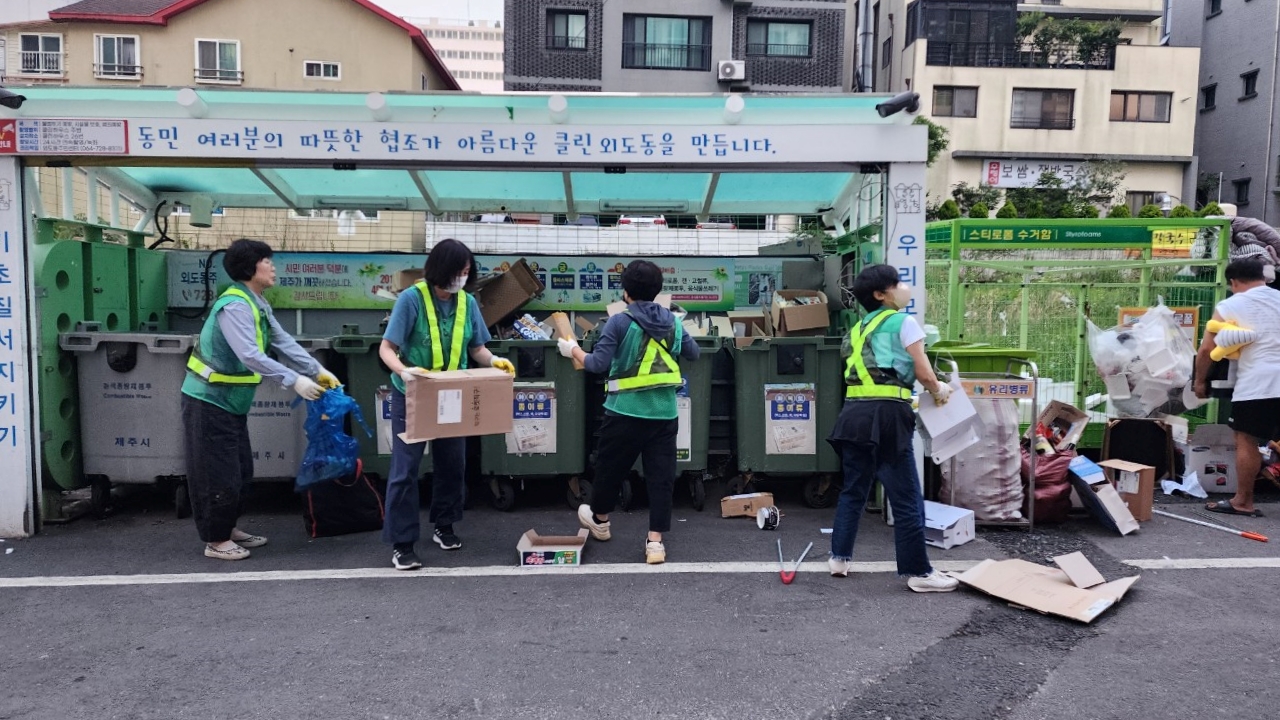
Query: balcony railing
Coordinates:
[778,50]
[566,42]
[651,56]
[218,75]
[120,71]
[41,62]
[1013,55]
[1042,123]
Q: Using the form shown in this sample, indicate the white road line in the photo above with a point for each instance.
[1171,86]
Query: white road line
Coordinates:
[704,568]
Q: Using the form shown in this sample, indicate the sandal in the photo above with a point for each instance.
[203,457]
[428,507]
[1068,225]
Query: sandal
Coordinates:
[1226,508]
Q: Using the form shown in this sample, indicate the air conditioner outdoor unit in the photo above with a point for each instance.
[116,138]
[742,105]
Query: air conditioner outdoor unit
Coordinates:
[731,70]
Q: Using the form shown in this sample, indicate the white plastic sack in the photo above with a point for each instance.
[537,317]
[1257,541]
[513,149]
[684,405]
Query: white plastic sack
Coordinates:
[1146,366]
[988,476]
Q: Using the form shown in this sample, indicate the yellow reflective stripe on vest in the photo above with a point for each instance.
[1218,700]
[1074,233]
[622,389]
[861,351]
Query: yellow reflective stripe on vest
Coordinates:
[867,388]
[645,377]
[208,374]
[433,323]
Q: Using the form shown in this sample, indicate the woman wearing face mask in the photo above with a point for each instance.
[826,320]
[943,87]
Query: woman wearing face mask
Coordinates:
[873,435]
[435,325]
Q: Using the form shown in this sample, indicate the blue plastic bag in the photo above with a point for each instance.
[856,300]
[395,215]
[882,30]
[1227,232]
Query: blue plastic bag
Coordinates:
[331,453]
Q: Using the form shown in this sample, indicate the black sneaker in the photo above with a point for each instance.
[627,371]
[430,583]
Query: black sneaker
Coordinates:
[403,558]
[445,538]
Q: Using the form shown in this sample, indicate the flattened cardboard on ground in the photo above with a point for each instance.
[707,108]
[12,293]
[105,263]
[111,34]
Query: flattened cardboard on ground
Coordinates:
[1212,456]
[457,403]
[792,320]
[946,526]
[550,550]
[1136,484]
[1073,417]
[1048,590]
[747,505]
[1100,498]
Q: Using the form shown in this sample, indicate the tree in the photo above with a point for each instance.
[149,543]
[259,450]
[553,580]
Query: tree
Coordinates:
[1120,211]
[949,211]
[967,196]
[1089,211]
[1097,183]
[938,141]
[980,210]
[1211,209]
[1007,210]
[1182,211]
[1150,211]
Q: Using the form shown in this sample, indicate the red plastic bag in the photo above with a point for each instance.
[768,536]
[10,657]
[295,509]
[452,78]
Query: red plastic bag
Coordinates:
[1052,488]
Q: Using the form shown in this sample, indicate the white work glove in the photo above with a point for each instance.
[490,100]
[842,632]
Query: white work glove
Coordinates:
[327,380]
[307,388]
[942,394]
[567,346]
[410,372]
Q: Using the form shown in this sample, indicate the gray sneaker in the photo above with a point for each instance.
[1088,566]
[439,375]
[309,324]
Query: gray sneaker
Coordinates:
[599,531]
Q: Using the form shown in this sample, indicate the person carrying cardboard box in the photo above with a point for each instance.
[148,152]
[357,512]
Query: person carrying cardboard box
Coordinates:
[874,434]
[434,325]
[1255,401]
[637,351]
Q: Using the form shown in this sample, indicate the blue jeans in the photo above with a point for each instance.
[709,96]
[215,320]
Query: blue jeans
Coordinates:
[902,485]
[448,481]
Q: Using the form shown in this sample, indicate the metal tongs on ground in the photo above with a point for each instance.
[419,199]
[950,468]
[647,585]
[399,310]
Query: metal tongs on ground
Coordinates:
[789,576]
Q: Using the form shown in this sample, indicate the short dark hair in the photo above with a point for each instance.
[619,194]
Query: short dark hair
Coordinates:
[874,279]
[1247,269]
[241,258]
[642,280]
[446,261]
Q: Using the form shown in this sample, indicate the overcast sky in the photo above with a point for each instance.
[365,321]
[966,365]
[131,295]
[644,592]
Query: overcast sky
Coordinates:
[451,9]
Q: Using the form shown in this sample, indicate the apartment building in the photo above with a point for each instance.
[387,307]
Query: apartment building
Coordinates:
[1236,135]
[1016,106]
[675,45]
[471,49]
[223,43]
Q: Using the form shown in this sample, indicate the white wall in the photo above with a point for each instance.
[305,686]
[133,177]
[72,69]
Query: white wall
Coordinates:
[12,11]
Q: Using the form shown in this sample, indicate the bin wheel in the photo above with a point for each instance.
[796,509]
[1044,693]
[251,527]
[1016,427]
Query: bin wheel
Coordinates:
[820,492]
[504,494]
[182,499]
[624,503]
[100,495]
[737,485]
[698,491]
[579,491]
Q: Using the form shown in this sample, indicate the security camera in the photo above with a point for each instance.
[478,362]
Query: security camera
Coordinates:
[909,101]
[11,100]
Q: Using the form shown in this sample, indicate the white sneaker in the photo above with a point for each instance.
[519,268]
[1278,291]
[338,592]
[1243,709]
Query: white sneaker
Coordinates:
[654,552]
[935,581]
[235,552]
[839,568]
[599,531]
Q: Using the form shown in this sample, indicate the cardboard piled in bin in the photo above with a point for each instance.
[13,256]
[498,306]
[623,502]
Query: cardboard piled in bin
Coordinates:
[799,313]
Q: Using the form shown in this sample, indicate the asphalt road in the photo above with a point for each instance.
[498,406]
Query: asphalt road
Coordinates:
[478,640]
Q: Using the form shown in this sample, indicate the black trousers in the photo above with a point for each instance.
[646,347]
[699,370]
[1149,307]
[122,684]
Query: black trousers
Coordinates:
[623,439]
[219,466]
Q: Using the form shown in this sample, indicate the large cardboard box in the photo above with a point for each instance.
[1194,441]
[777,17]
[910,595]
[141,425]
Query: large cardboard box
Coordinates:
[1066,419]
[747,505]
[748,325]
[1099,496]
[550,550]
[946,526]
[502,294]
[405,278]
[1213,458]
[458,403]
[790,318]
[1074,590]
[1136,484]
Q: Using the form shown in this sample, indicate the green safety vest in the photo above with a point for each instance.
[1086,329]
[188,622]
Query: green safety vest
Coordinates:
[864,378]
[429,352]
[653,367]
[229,371]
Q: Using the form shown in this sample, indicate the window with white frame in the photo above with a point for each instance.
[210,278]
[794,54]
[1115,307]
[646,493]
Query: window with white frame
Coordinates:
[322,70]
[218,61]
[40,54]
[116,56]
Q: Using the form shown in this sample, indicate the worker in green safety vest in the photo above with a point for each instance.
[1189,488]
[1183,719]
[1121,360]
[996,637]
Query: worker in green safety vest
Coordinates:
[230,360]
[874,433]
[434,325]
[637,353]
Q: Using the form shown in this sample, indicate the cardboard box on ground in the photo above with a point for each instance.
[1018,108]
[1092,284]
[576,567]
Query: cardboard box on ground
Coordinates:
[458,403]
[1100,497]
[747,505]
[551,550]
[1212,456]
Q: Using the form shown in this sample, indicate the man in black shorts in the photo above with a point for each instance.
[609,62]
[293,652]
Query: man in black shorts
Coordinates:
[1255,402]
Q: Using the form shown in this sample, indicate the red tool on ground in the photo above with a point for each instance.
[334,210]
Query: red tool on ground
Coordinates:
[789,577]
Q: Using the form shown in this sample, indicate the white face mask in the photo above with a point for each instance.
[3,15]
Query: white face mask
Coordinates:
[898,298]
[458,283]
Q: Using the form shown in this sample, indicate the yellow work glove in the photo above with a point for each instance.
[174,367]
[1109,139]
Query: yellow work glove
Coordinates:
[502,364]
[327,380]
[409,372]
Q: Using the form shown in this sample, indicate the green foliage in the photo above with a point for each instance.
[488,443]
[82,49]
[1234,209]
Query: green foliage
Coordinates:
[1150,211]
[1182,211]
[1089,211]
[1120,211]
[949,210]
[1212,208]
[980,210]
[1069,211]
[938,141]
[1007,210]
[966,196]
[1026,26]
[1071,40]
[1097,183]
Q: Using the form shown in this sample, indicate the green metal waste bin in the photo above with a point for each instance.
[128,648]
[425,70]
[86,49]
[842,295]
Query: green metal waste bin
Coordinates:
[369,382]
[789,392]
[548,418]
[978,357]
